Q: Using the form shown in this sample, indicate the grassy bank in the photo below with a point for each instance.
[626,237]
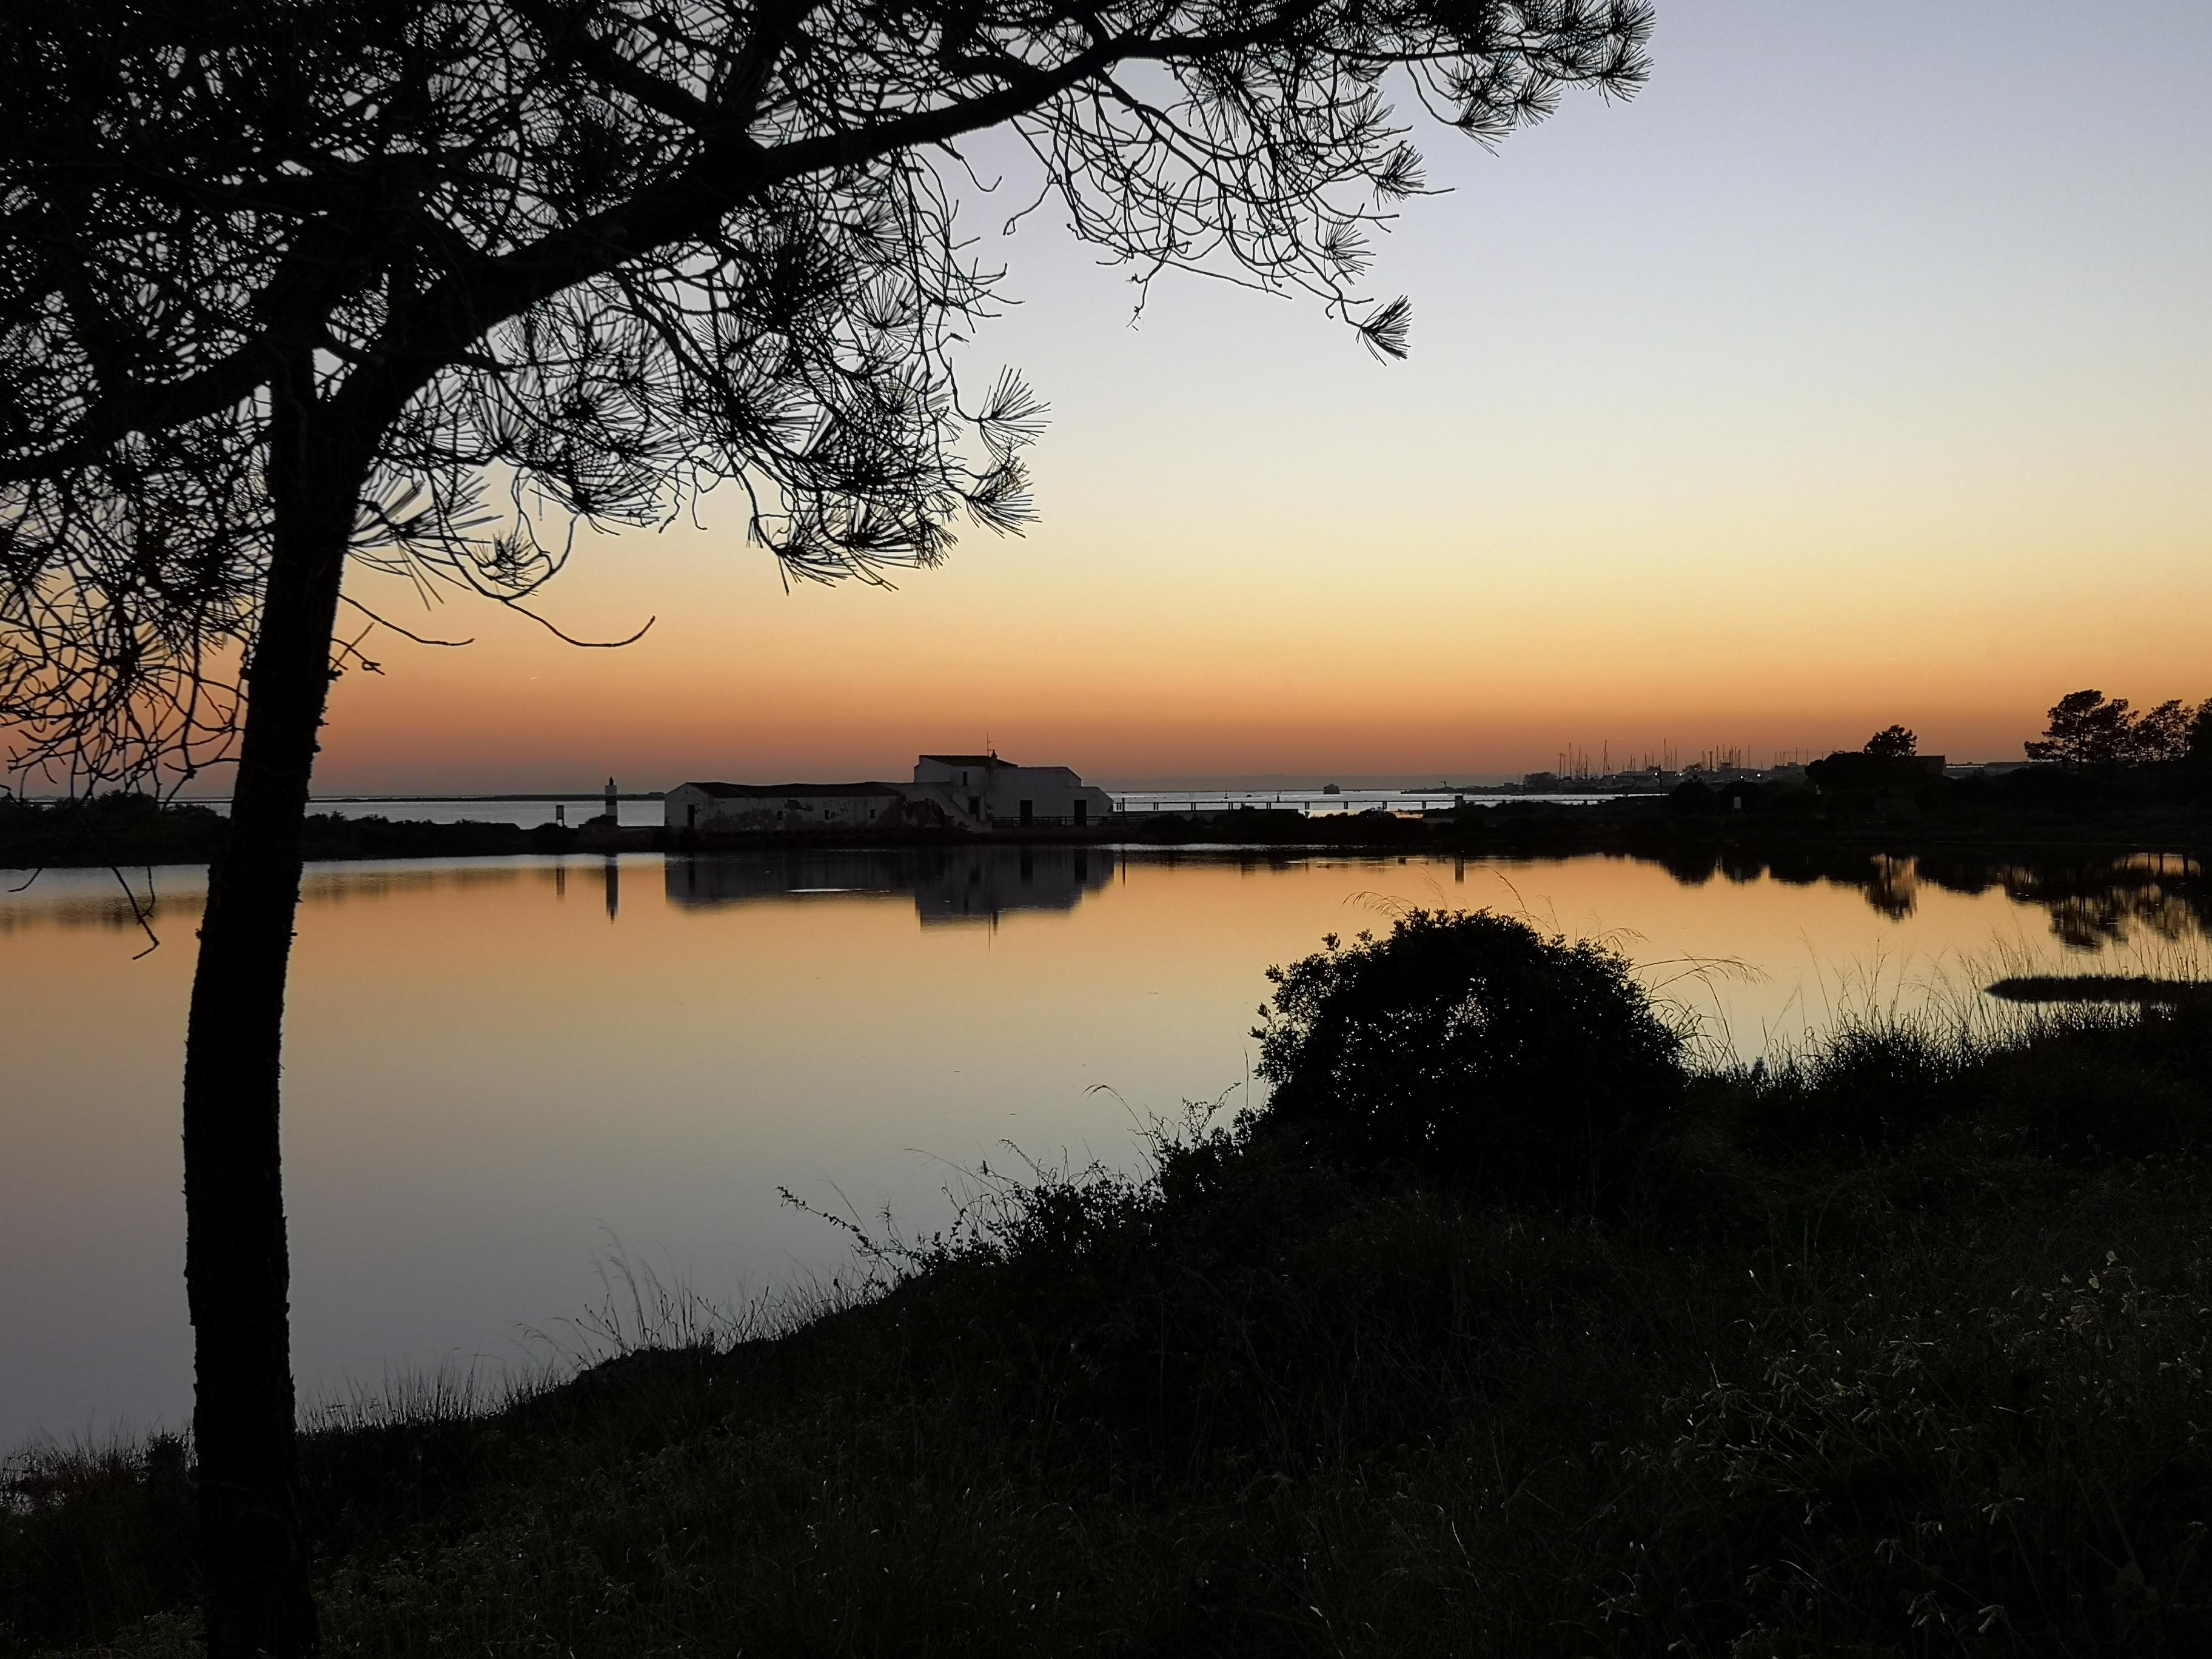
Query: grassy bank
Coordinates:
[1900,1347]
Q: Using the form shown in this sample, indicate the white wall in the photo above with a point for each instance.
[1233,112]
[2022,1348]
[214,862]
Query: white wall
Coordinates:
[770,812]
[999,789]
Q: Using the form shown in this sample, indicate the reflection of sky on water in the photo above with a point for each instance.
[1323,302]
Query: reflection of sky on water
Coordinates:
[2092,901]
[499,1073]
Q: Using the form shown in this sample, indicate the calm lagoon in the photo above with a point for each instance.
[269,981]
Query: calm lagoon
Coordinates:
[505,1077]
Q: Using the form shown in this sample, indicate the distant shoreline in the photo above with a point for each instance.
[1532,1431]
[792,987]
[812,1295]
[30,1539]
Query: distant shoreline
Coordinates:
[2081,818]
[214,802]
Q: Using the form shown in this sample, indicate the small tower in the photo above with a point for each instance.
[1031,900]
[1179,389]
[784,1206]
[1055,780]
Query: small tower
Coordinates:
[613,816]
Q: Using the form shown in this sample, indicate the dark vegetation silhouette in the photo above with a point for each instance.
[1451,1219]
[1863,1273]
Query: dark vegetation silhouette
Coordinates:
[1890,759]
[2097,758]
[1892,742]
[2088,728]
[1467,1043]
[121,828]
[294,298]
[1897,1345]
[1693,798]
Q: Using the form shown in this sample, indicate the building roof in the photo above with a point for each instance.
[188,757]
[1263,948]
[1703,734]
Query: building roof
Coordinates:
[777,791]
[968,760]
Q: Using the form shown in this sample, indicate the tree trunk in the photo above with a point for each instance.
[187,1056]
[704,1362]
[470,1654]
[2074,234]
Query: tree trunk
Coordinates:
[237,1272]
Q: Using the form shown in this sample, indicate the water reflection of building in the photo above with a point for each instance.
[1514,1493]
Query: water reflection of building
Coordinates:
[948,886]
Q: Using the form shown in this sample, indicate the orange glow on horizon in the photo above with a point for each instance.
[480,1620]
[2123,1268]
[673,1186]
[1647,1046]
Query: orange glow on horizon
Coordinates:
[1818,388]
[1216,670]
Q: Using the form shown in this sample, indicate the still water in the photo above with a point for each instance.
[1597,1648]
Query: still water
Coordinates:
[503,1077]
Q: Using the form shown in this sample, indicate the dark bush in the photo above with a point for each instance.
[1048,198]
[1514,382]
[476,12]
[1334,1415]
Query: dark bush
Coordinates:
[1791,801]
[2087,1088]
[92,1539]
[121,827]
[1471,1045]
[2054,788]
[1852,772]
[1866,1088]
[2109,1087]
[1692,798]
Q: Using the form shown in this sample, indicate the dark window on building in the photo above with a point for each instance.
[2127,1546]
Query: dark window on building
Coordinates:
[691,818]
[1082,812]
[1029,811]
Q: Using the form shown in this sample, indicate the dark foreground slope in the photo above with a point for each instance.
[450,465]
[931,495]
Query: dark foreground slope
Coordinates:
[1900,1350]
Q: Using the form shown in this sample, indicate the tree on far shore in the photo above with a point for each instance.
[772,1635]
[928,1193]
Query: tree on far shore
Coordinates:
[2199,750]
[2088,728]
[293,298]
[2162,733]
[1892,742]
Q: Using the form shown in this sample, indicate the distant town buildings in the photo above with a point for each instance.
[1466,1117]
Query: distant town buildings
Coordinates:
[972,792]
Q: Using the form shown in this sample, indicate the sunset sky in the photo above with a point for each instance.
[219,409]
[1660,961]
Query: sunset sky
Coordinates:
[1859,370]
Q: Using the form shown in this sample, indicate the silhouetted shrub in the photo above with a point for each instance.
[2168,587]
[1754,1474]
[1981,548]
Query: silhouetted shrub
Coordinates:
[91,1539]
[1856,772]
[2054,788]
[2086,1087]
[121,827]
[1692,798]
[1871,1087]
[1471,1045]
[1792,801]
[2110,1086]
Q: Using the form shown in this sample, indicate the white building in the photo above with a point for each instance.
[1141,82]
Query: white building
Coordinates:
[723,806]
[975,792]
[982,791]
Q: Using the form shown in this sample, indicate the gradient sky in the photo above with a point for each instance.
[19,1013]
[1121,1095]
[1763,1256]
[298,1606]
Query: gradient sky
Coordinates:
[1859,370]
